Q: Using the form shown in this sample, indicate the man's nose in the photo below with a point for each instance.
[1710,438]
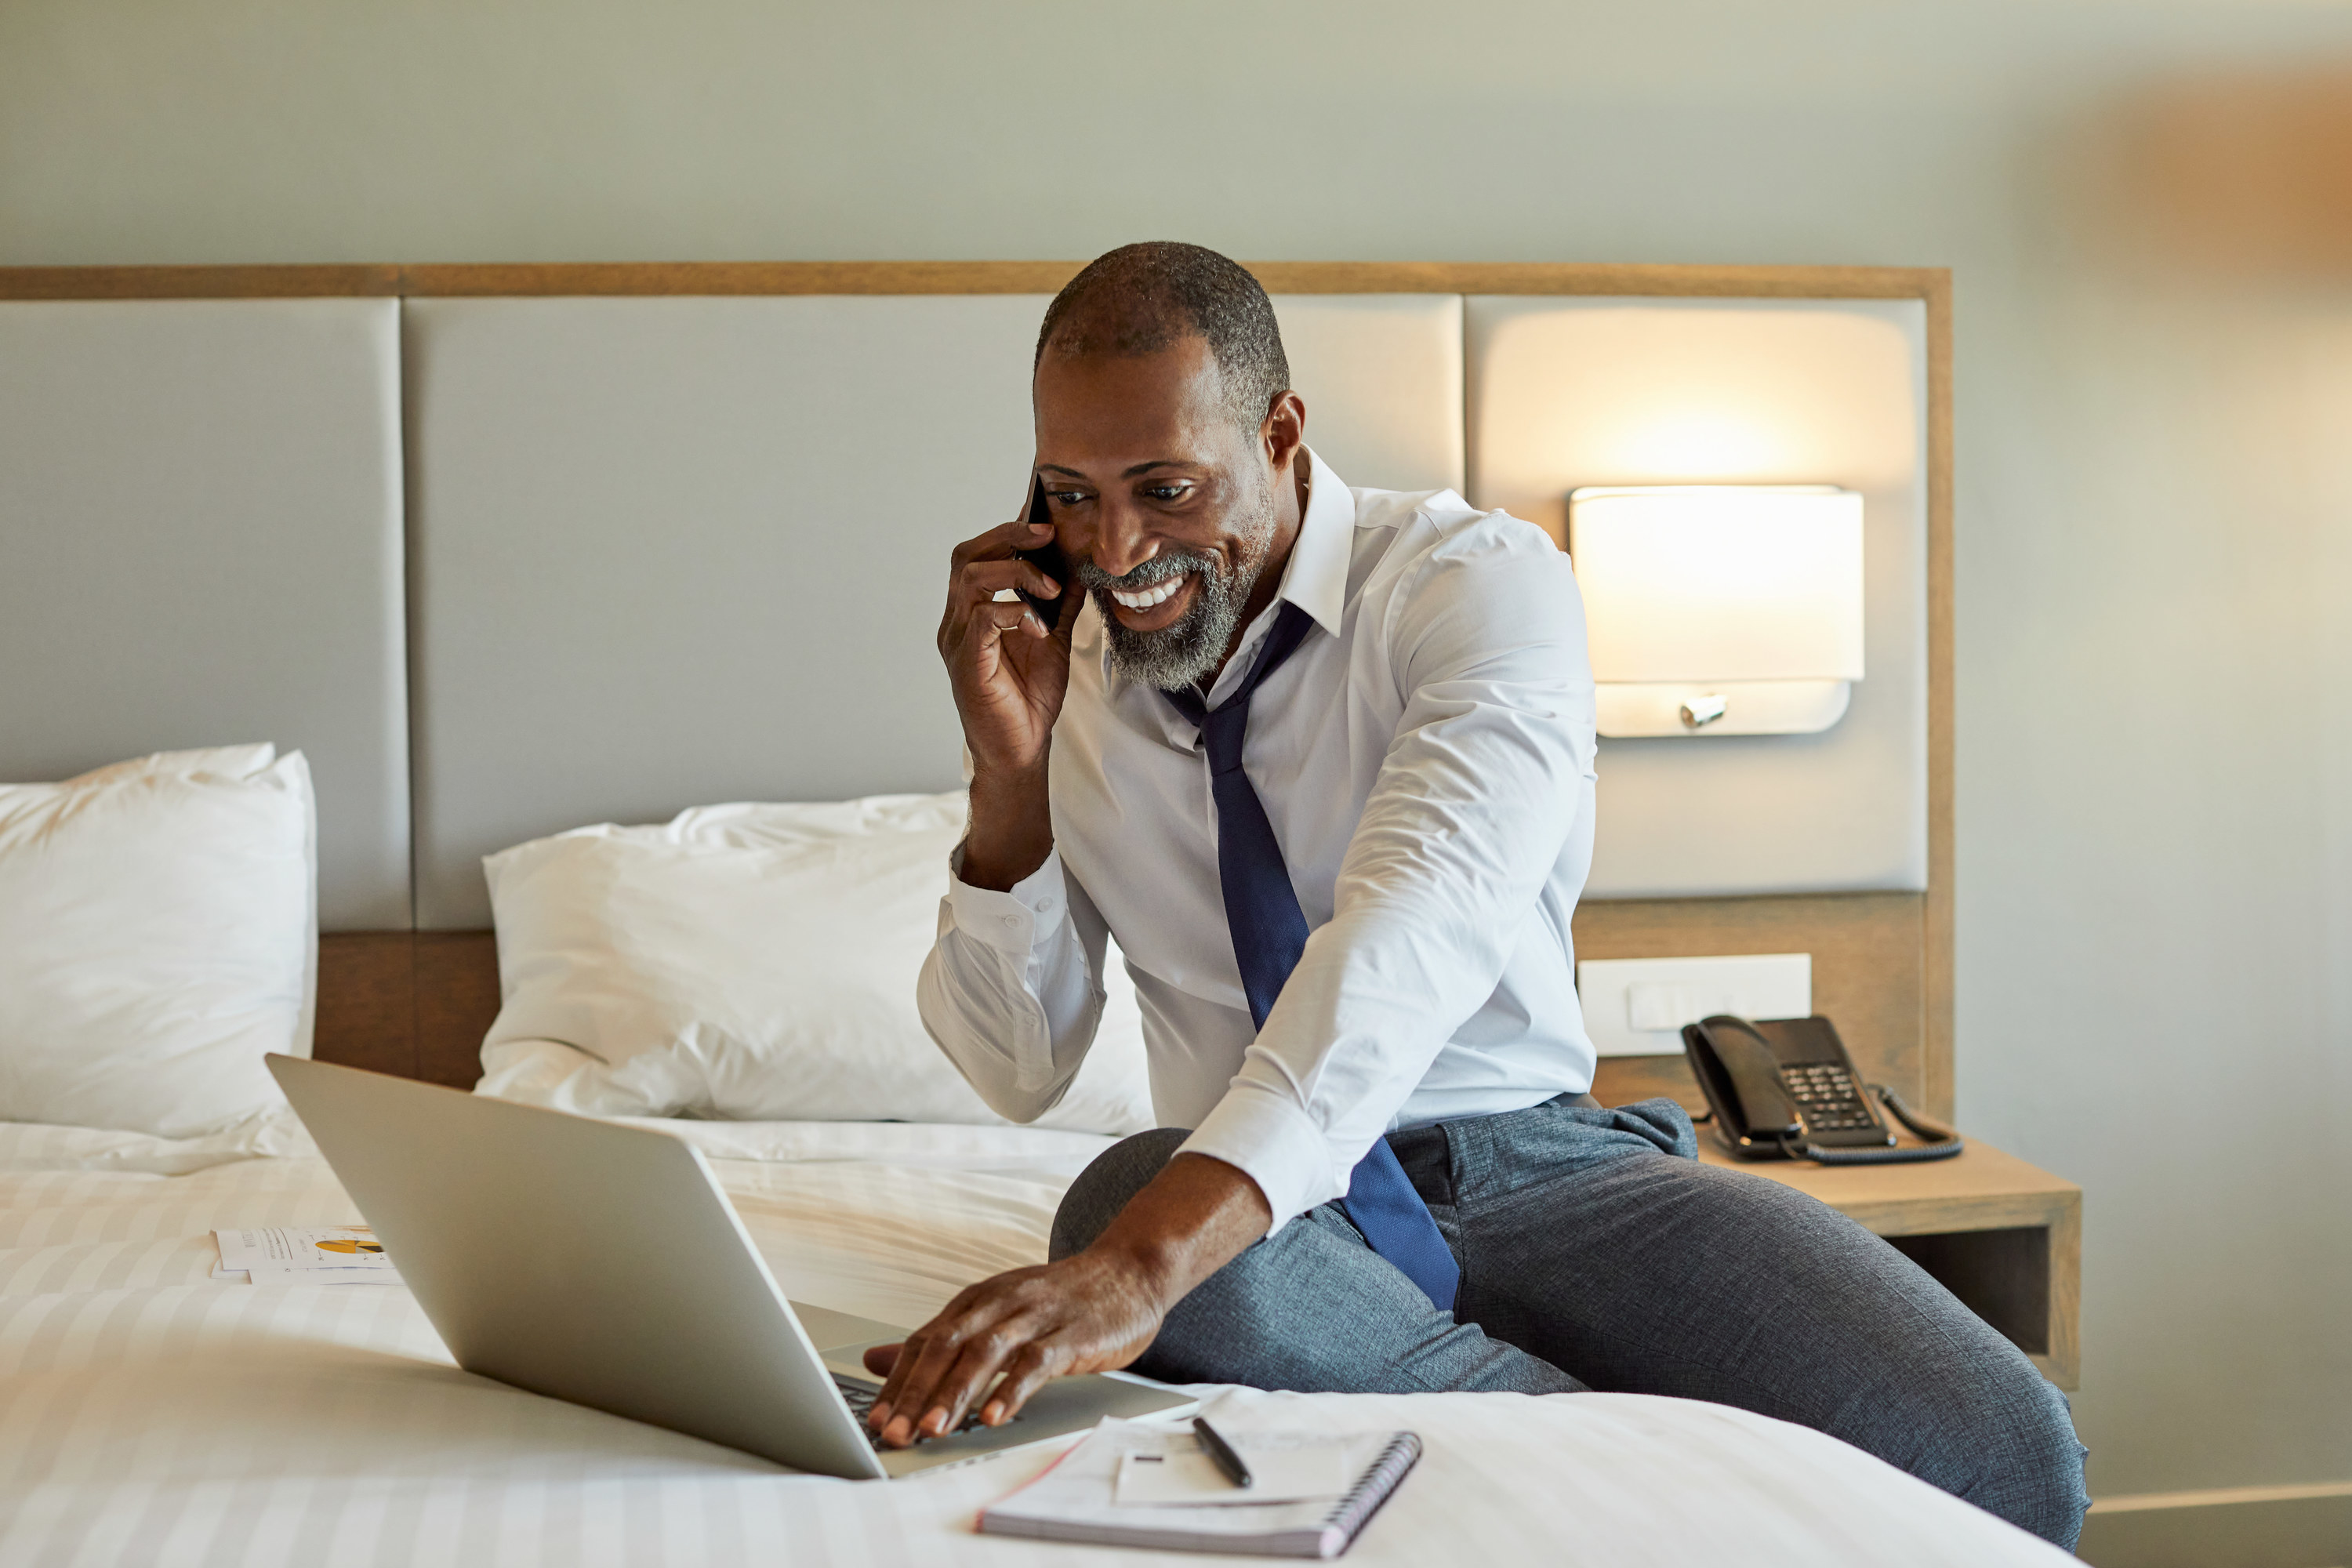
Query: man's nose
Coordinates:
[1122,542]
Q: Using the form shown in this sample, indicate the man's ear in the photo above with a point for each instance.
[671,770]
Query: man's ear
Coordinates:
[1284,431]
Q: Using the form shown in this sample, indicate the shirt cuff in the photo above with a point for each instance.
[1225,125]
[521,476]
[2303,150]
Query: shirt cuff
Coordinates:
[1275,1143]
[1011,921]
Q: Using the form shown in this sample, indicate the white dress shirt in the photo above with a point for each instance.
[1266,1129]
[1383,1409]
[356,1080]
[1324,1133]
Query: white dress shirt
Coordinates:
[1426,758]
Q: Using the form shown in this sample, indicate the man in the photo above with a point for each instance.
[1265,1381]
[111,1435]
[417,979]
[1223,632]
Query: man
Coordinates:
[1322,760]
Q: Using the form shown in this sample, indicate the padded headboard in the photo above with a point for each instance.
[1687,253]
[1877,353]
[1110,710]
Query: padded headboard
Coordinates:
[509,550]
[669,552]
[200,543]
[1574,391]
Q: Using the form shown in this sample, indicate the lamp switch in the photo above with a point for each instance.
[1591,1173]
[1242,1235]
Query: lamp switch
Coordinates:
[1698,712]
[1637,1007]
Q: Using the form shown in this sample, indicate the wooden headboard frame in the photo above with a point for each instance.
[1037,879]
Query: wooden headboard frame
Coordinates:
[418,1003]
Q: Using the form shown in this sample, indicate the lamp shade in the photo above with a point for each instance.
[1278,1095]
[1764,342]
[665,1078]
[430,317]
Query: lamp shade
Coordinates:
[1719,584]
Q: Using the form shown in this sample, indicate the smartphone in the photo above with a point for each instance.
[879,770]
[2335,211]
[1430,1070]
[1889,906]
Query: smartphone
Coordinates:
[1047,558]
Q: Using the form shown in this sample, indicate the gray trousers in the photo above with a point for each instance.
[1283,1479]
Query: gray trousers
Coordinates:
[1598,1253]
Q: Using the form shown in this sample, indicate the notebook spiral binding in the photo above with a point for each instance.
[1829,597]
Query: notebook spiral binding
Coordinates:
[1379,1484]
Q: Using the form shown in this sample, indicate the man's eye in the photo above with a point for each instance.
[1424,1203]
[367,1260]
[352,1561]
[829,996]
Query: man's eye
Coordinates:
[1165,492]
[1067,498]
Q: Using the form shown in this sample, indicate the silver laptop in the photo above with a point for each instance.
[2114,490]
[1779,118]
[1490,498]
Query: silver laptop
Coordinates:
[603,1265]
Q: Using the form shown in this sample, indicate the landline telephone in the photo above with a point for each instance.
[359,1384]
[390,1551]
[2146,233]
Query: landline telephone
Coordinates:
[1784,1089]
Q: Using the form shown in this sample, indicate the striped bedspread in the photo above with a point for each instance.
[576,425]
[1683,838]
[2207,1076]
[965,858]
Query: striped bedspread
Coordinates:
[150,1413]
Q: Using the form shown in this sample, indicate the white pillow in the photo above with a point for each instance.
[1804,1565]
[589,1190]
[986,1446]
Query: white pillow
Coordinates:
[756,963]
[158,935]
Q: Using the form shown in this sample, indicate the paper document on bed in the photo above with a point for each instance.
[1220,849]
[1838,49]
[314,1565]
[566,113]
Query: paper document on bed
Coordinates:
[328,1254]
[1136,1483]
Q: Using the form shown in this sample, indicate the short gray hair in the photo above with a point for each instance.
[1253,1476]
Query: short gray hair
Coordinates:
[1142,299]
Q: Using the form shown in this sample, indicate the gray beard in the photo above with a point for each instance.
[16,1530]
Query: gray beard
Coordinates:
[1180,655]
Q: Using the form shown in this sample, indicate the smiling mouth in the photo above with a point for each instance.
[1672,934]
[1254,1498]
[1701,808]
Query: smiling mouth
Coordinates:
[1146,598]
[1157,608]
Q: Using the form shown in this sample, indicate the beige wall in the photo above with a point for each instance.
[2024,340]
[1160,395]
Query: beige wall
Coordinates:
[2155,522]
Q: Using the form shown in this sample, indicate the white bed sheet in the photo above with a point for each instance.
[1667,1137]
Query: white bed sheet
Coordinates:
[150,1413]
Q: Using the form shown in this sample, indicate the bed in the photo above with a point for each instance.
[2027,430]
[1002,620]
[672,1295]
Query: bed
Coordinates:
[150,1413]
[444,527]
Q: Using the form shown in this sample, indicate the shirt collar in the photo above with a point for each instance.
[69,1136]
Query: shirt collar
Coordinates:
[1315,577]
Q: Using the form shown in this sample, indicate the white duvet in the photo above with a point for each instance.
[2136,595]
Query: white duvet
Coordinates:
[150,1414]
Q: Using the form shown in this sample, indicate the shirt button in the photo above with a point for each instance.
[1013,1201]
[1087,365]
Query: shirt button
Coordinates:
[1045,906]
[1010,919]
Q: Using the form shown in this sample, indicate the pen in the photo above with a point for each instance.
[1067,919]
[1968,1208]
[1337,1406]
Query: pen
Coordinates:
[1221,1454]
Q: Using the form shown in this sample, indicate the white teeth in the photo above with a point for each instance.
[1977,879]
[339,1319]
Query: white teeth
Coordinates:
[1150,596]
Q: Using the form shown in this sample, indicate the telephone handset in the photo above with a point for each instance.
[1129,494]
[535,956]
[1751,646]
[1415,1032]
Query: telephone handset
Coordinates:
[1047,558]
[1784,1089]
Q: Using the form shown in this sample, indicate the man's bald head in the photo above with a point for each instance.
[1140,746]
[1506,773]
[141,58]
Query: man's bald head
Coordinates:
[1143,298]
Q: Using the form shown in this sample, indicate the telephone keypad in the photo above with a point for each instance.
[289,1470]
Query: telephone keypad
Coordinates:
[1827,1100]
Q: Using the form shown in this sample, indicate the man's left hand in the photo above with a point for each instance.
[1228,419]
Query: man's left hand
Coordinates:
[1092,1311]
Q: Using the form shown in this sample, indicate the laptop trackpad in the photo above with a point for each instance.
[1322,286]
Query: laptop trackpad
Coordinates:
[838,1336]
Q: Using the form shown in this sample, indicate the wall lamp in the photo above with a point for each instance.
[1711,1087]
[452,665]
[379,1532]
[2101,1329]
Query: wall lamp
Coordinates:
[1720,609]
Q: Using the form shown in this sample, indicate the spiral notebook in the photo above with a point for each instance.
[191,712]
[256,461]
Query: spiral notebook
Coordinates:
[1078,1498]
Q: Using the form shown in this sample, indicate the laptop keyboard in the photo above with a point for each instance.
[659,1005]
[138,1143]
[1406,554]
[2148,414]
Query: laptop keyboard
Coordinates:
[860,1399]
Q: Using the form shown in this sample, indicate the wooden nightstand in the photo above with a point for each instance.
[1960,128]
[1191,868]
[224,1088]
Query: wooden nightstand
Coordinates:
[2002,1236]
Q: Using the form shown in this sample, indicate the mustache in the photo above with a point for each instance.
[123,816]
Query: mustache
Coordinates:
[1151,573]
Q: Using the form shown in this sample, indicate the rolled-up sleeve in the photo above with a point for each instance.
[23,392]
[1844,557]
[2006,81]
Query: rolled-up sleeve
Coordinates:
[1475,798]
[1012,990]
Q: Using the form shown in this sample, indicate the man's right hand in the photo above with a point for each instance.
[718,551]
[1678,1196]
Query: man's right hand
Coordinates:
[1009,671]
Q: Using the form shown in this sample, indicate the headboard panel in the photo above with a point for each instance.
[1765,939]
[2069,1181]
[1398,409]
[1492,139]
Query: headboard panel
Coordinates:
[1574,391]
[200,543]
[675,551]
[672,552]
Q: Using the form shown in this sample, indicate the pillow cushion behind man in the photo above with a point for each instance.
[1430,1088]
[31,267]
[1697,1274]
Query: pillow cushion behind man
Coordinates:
[753,962]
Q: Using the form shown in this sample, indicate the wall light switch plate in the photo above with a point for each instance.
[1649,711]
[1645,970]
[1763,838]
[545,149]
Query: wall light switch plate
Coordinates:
[1637,1007]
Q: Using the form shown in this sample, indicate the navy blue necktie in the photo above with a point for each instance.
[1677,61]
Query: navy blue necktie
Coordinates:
[1269,932]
